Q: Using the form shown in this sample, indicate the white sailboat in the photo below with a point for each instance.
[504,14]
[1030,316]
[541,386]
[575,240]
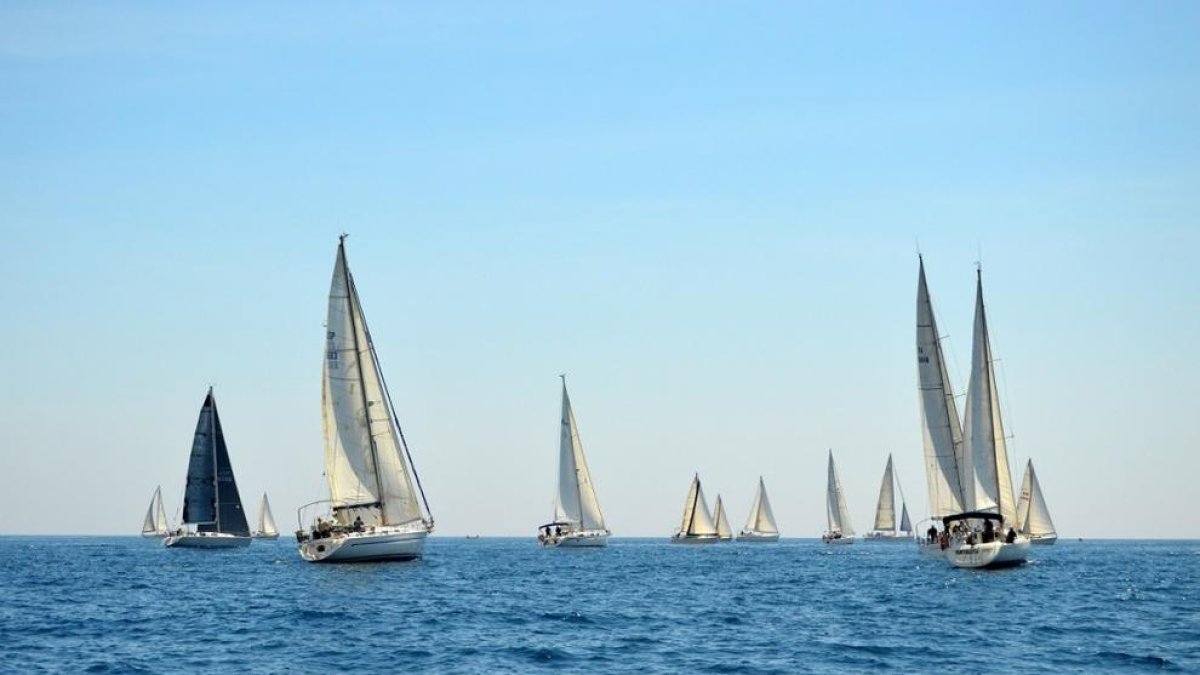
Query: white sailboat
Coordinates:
[697,526]
[374,508]
[578,521]
[760,526]
[840,530]
[986,534]
[155,524]
[1033,517]
[885,527]
[266,521]
[941,431]
[211,502]
[722,522]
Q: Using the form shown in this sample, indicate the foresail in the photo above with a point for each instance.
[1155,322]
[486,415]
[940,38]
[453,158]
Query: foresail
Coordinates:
[266,521]
[722,521]
[689,506]
[1023,498]
[905,523]
[1038,522]
[577,502]
[766,517]
[150,524]
[885,509]
[755,516]
[940,429]
[702,519]
[231,518]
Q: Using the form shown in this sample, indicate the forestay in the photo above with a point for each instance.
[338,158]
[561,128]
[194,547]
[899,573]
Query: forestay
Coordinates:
[942,434]
[576,501]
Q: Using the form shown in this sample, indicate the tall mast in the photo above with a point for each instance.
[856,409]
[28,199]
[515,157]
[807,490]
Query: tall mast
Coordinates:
[695,498]
[212,439]
[571,434]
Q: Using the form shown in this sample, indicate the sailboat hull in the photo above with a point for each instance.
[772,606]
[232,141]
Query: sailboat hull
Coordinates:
[1045,540]
[260,535]
[586,539]
[695,539]
[379,545]
[991,555]
[838,541]
[888,538]
[206,540]
[758,537]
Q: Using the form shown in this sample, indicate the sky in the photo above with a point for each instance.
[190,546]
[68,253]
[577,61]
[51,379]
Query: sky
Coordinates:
[707,215]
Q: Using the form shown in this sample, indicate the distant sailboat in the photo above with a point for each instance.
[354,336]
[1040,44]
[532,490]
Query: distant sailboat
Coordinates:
[578,521]
[885,526]
[211,502]
[266,521]
[697,526]
[984,472]
[375,508]
[840,530]
[155,524]
[722,523]
[1033,518]
[760,526]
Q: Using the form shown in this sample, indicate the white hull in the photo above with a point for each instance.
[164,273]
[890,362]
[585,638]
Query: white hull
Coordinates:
[992,554]
[205,540]
[839,541]
[587,539]
[695,539]
[155,535]
[260,535]
[758,537]
[1044,540]
[382,544]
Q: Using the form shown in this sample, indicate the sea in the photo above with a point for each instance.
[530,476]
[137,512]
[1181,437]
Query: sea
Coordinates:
[128,605]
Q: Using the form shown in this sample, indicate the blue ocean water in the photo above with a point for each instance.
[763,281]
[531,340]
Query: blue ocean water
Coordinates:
[124,604]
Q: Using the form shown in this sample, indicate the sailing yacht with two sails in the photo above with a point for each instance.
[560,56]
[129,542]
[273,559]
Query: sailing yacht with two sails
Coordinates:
[697,526]
[155,524]
[375,496]
[578,521]
[211,502]
[1033,517]
[840,530]
[885,527]
[760,526]
[266,521]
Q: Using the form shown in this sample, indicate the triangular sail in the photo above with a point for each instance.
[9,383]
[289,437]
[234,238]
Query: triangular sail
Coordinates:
[986,477]
[762,518]
[885,509]
[696,518]
[364,456]
[941,432]
[266,521]
[1033,516]
[905,523]
[835,503]
[722,522]
[211,500]
[576,502]
[156,516]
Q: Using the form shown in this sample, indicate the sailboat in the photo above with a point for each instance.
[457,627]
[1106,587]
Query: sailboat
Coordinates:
[722,522]
[885,527]
[697,526]
[211,502]
[1033,518]
[578,521]
[155,524]
[840,530]
[941,430]
[760,526]
[985,535]
[266,521]
[373,508]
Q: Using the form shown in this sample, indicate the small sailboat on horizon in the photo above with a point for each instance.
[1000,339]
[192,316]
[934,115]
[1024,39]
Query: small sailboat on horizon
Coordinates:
[578,521]
[697,526]
[374,508]
[266,521]
[1033,517]
[885,527]
[724,533]
[155,523]
[840,530]
[211,501]
[760,526]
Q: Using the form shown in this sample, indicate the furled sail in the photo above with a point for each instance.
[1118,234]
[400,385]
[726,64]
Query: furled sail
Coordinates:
[941,432]
[364,455]
[762,518]
[266,521]
[722,522]
[835,504]
[1033,517]
[885,509]
[576,502]
[156,517]
[696,518]
[986,478]
[211,499]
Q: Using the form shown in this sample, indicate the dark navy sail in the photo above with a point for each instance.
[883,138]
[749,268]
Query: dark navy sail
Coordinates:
[211,500]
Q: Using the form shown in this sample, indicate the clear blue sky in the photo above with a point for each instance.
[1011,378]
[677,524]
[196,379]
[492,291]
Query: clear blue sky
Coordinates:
[707,215]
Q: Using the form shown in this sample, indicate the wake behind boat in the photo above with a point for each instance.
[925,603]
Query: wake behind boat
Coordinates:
[578,521]
[760,526]
[697,526]
[211,502]
[885,526]
[374,512]
[840,530]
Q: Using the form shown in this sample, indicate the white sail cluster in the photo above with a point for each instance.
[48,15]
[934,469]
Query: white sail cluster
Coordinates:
[576,502]
[762,518]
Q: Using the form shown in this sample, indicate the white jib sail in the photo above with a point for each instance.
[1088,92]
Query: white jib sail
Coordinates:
[156,516]
[722,521]
[885,510]
[986,476]
[266,521]
[1033,517]
[576,502]
[835,503]
[762,518]
[364,459]
[696,518]
[940,429]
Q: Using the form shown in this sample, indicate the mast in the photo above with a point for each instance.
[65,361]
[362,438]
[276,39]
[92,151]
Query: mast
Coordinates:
[212,436]
[695,498]
[571,433]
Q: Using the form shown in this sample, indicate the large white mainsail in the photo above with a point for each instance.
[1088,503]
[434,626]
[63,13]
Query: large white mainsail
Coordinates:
[1033,516]
[155,524]
[722,521]
[986,478]
[835,504]
[266,521]
[576,502]
[885,509]
[941,432]
[762,518]
[365,458]
[697,520]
